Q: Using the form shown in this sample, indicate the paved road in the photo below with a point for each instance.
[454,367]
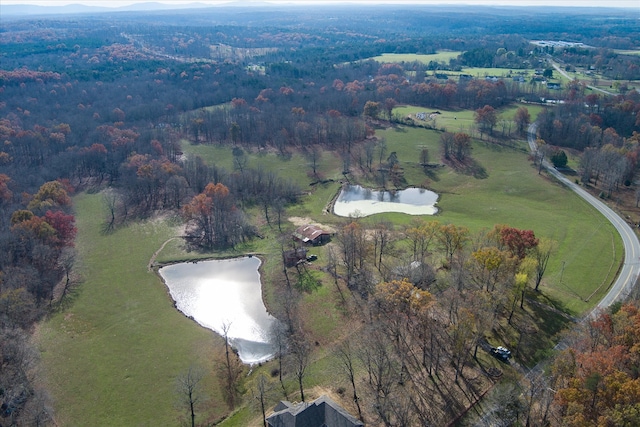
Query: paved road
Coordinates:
[621,288]
[628,274]
[561,71]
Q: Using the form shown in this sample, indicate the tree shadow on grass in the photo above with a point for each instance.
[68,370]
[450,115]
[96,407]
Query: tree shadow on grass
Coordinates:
[469,166]
[541,323]
[431,172]
[68,296]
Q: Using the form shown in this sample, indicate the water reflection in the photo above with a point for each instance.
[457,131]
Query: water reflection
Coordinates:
[355,200]
[219,292]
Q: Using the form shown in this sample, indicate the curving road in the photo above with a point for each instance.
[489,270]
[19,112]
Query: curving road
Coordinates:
[630,270]
[567,76]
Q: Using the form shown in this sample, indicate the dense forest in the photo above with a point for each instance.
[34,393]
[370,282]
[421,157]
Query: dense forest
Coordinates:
[101,101]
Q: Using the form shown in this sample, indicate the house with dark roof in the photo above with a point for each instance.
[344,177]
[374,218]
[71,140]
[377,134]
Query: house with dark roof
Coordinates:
[322,412]
[312,234]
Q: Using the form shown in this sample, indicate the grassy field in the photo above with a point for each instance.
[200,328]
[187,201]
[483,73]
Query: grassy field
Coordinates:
[498,72]
[441,56]
[513,193]
[627,52]
[294,167]
[113,354]
[463,120]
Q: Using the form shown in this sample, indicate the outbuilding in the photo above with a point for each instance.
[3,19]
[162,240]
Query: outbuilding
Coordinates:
[312,235]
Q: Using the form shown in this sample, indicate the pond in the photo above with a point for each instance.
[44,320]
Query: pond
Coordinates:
[355,200]
[219,292]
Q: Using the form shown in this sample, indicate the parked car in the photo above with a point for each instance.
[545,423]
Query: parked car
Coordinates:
[501,353]
[312,257]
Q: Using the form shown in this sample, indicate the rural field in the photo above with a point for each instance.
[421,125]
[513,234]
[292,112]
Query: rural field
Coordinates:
[441,56]
[464,120]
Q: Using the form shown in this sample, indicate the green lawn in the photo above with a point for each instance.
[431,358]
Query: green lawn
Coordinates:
[463,120]
[441,56]
[113,354]
[295,167]
[498,72]
[627,52]
[513,193]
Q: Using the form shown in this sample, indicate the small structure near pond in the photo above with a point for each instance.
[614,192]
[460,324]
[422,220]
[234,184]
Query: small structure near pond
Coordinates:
[312,234]
[294,256]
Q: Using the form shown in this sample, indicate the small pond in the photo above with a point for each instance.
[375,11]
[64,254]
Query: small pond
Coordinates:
[355,200]
[219,292]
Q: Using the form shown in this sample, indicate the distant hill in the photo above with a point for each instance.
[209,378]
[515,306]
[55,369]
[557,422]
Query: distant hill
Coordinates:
[24,9]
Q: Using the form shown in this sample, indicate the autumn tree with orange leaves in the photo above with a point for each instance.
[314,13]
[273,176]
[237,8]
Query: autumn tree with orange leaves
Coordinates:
[214,220]
[597,377]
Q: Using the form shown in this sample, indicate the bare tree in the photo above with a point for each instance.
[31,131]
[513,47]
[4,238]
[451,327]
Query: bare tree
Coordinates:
[232,369]
[300,352]
[261,390]
[279,336]
[542,252]
[38,411]
[66,261]
[189,390]
[110,202]
[382,242]
[369,149]
[345,354]
[313,157]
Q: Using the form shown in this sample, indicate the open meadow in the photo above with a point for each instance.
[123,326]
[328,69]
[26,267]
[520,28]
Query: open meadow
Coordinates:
[440,56]
[126,340]
[463,120]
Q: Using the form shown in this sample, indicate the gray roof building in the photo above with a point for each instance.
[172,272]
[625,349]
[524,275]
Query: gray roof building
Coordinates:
[322,412]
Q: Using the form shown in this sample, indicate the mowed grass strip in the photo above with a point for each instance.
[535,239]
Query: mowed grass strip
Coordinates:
[440,56]
[113,354]
[464,120]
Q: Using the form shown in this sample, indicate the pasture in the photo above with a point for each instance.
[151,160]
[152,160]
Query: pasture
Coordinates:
[119,342]
[512,192]
[441,56]
[462,120]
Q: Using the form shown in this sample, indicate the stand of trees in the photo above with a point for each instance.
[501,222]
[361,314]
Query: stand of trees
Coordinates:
[417,352]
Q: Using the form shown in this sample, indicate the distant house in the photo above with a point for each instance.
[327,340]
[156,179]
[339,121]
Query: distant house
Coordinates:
[492,79]
[551,85]
[312,235]
[294,256]
[322,412]
[465,77]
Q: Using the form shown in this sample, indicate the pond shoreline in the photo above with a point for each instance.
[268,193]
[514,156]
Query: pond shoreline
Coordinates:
[365,201]
[247,345]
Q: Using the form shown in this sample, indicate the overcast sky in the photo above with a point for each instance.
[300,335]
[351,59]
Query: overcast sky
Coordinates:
[115,3]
